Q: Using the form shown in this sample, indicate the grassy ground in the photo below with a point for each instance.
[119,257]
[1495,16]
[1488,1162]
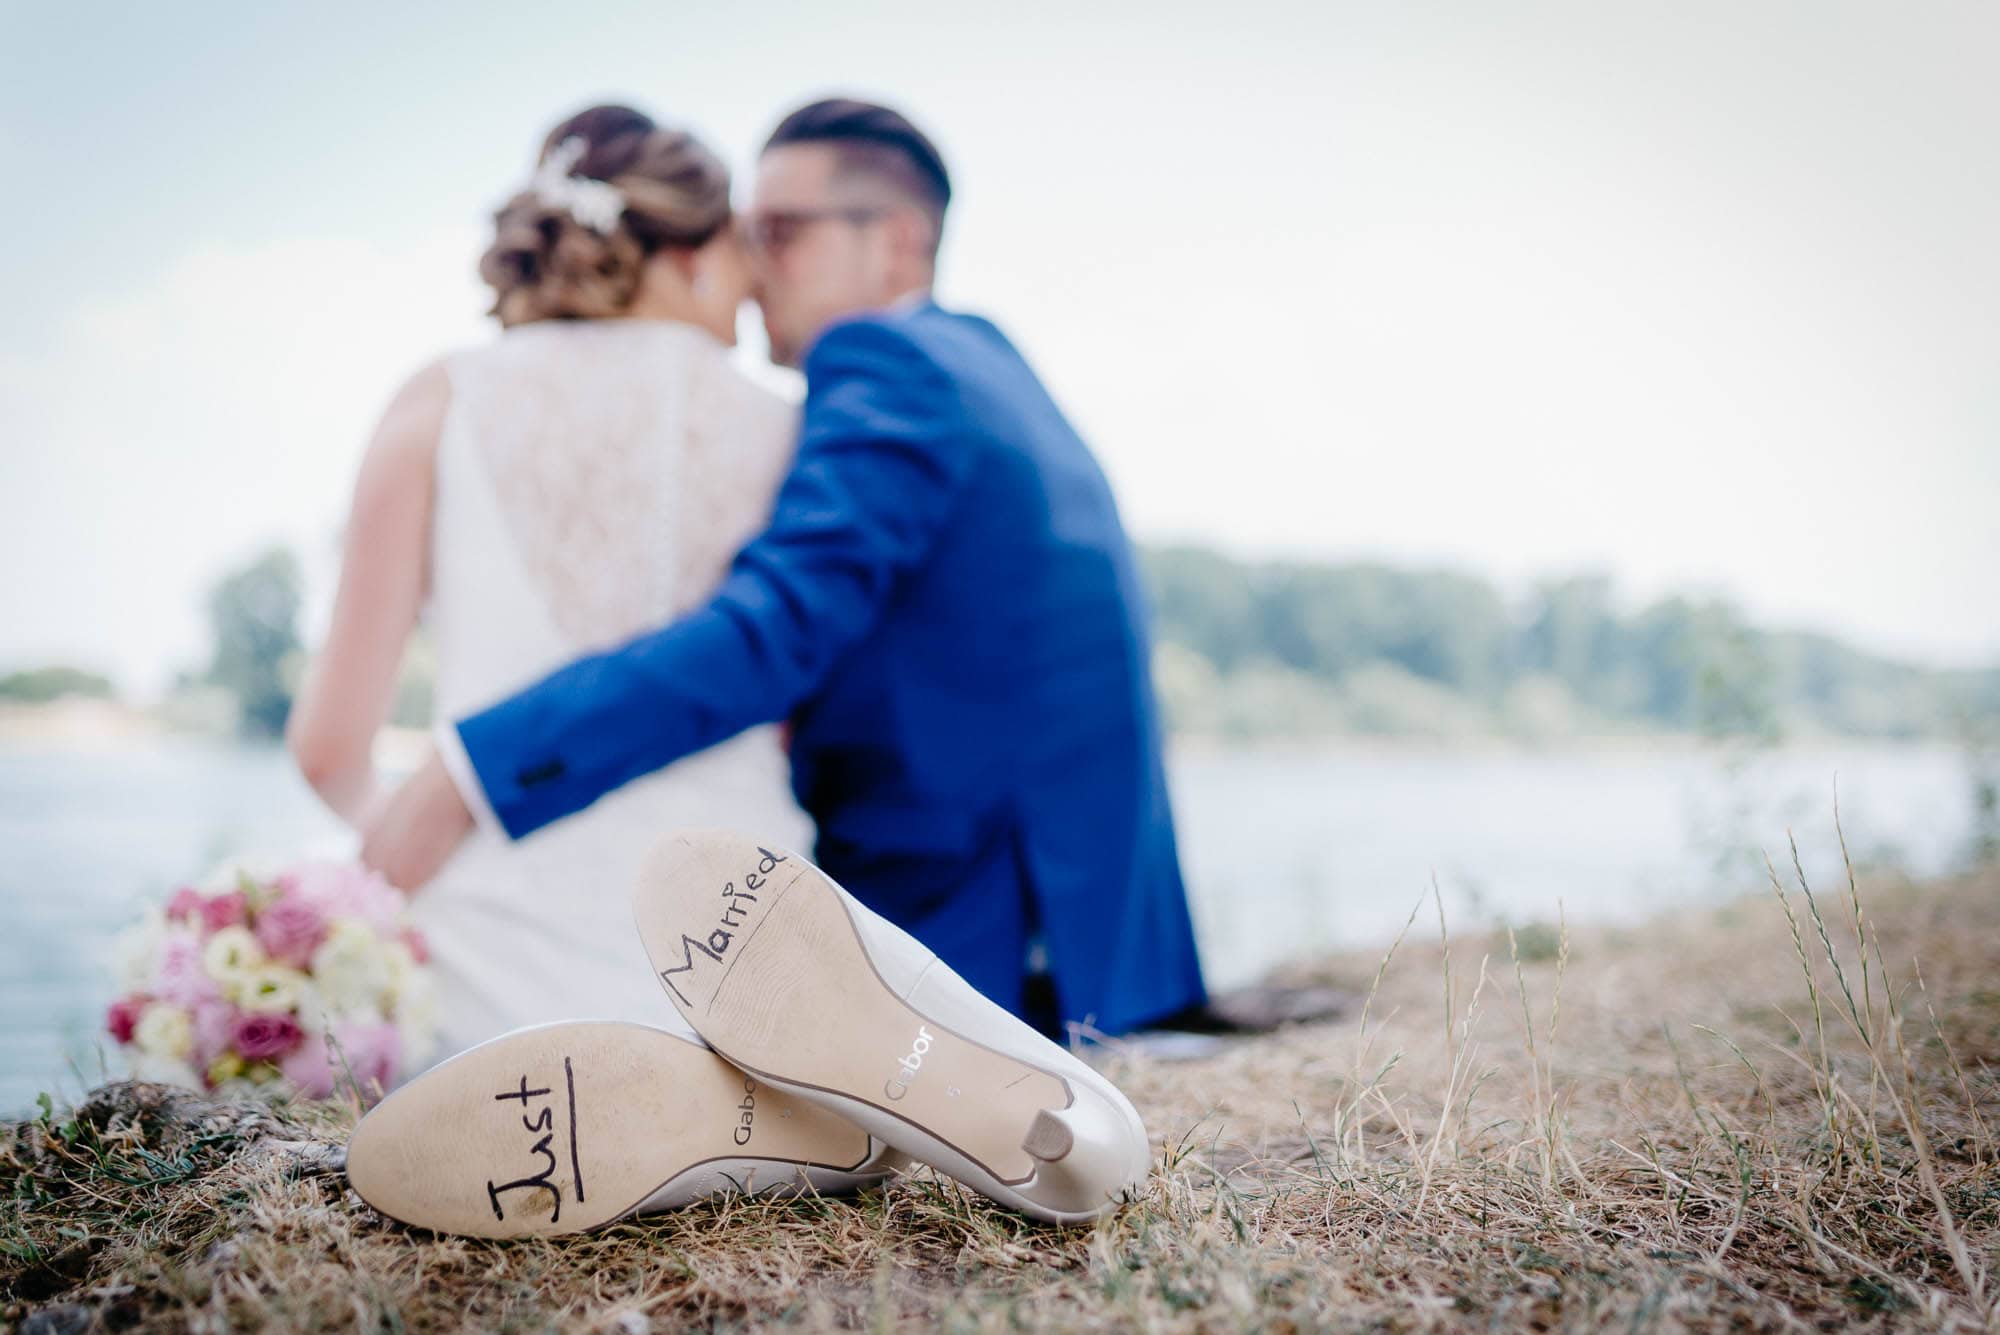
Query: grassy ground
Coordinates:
[1778,1115]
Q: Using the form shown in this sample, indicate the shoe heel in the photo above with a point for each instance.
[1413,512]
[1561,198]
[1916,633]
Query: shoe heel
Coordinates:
[1084,1154]
[1049,1138]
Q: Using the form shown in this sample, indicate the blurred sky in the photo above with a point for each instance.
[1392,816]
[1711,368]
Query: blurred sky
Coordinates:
[1702,294]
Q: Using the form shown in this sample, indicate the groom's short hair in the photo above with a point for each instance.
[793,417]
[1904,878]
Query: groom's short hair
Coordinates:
[874,141]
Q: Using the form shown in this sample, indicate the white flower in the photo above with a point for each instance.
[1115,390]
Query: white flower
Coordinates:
[164,1030]
[161,1070]
[416,1026]
[135,950]
[311,1006]
[230,955]
[412,1003]
[227,876]
[270,989]
[403,969]
[351,967]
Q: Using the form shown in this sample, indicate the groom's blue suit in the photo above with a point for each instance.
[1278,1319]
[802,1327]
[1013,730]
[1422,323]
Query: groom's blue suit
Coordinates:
[946,607]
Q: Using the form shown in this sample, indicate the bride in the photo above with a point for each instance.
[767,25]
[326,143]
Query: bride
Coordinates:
[583,477]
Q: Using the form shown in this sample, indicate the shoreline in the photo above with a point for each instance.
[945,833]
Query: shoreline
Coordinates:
[76,724]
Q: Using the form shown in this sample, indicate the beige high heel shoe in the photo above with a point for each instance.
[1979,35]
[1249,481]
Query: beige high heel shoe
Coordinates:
[563,1127]
[788,976]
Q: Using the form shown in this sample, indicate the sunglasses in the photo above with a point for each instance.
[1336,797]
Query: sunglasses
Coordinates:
[775,231]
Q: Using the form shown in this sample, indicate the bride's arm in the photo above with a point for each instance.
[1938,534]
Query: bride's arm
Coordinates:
[384,572]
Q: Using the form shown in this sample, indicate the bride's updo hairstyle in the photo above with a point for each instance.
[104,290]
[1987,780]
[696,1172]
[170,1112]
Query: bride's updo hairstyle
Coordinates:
[566,249]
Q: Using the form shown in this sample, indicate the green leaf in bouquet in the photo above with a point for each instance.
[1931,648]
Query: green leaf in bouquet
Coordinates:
[255,896]
[227,1066]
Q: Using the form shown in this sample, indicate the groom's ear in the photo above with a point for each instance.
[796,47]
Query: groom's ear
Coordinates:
[914,233]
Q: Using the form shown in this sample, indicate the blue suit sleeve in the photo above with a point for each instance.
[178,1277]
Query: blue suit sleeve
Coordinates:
[883,456]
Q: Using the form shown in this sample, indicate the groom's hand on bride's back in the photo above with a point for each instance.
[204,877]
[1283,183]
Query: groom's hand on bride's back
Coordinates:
[415,832]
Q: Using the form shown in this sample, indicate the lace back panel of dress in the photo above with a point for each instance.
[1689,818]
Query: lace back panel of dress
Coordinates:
[629,462]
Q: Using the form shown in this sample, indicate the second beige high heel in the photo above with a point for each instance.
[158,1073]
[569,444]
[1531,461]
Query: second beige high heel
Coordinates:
[788,976]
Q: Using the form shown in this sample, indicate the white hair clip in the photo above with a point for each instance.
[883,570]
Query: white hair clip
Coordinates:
[594,203]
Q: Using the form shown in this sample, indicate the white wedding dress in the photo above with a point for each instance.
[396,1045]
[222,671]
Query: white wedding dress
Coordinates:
[594,480]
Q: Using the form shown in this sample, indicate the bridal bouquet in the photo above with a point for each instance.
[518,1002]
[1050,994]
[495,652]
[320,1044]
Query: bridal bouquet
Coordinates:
[297,976]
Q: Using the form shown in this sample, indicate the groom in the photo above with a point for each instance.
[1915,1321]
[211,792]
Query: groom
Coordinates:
[945,606]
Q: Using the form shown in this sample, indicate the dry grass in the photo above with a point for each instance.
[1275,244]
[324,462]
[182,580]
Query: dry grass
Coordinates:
[1760,1117]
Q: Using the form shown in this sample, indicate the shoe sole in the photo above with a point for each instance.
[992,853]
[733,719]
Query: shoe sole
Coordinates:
[758,952]
[570,1126]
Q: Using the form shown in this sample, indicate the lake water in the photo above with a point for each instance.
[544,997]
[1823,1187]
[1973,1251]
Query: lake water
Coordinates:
[1288,853]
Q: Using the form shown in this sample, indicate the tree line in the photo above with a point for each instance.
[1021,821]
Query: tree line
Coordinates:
[1276,646]
[1288,649]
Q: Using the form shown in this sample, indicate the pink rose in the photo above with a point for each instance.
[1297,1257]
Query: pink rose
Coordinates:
[220,911]
[420,949]
[380,904]
[307,1067]
[373,1051]
[350,890]
[178,974]
[290,931]
[263,1037]
[320,883]
[214,1030]
[185,904]
[123,1016]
